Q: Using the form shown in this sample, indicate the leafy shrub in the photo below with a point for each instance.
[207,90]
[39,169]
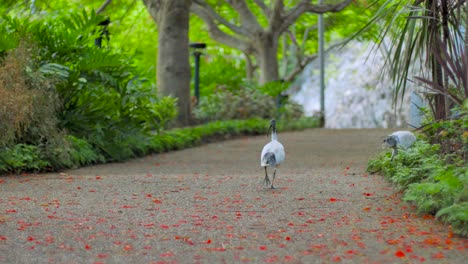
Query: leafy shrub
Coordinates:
[190,136]
[102,99]
[215,70]
[433,176]
[244,103]
[21,157]
[29,104]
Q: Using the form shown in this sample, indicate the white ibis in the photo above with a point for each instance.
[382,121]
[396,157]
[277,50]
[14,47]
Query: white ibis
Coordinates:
[403,139]
[272,154]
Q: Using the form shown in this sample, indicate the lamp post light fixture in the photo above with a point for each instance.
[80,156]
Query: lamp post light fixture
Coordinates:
[197,48]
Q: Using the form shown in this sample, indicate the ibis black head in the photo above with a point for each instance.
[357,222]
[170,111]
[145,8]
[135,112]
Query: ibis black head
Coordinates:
[272,126]
[391,141]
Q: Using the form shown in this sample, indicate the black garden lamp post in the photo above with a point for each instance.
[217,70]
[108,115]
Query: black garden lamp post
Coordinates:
[103,32]
[197,47]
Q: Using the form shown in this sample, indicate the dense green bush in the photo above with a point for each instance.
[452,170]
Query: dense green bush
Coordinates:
[433,176]
[246,102]
[100,97]
[23,157]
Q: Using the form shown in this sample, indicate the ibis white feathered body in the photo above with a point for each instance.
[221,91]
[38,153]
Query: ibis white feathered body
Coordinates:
[272,154]
[399,139]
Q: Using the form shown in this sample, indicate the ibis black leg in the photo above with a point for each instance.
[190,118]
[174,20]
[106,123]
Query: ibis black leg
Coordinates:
[266,180]
[274,174]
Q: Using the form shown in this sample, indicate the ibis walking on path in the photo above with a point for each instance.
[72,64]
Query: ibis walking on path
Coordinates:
[272,155]
[205,205]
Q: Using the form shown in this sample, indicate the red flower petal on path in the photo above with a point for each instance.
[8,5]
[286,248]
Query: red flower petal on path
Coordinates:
[30,238]
[400,254]
[288,258]
[288,238]
[262,248]
[102,256]
[393,241]
[128,247]
[208,241]
[438,255]
[333,200]
[87,247]
[336,258]
[3,238]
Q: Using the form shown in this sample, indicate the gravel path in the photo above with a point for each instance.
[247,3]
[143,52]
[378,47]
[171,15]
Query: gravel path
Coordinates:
[207,205]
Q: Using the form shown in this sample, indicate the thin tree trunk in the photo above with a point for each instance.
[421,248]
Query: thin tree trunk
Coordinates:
[250,67]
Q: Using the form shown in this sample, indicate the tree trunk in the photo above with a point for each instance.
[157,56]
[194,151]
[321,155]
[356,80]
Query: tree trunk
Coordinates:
[173,66]
[266,48]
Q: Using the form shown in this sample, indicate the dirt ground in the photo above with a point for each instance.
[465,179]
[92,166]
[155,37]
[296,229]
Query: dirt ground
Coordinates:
[208,205]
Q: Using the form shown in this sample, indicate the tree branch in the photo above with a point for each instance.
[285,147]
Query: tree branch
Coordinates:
[263,6]
[306,7]
[201,6]
[276,16]
[248,19]
[103,7]
[302,63]
[216,33]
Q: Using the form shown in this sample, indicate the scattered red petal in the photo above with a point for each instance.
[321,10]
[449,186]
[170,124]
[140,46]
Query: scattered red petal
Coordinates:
[128,247]
[393,241]
[102,256]
[288,238]
[438,255]
[262,248]
[400,254]
[3,238]
[333,200]
[208,241]
[87,247]
[336,258]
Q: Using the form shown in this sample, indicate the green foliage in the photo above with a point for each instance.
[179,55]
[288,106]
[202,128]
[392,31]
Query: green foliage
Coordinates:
[21,157]
[102,98]
[218,71]
[457,215]
[432,179]
[75,152]
[225,104]
[250,101]
[191,136]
